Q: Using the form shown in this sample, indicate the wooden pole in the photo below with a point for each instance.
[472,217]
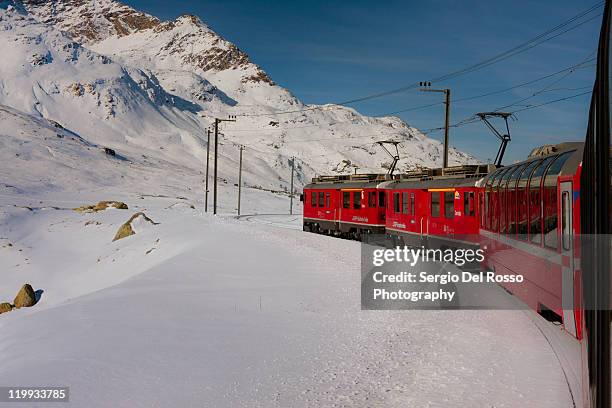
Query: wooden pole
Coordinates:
[240,179]
[207,161]
[291,190]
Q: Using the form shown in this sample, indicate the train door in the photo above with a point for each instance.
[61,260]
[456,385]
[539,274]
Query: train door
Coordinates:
[567,257]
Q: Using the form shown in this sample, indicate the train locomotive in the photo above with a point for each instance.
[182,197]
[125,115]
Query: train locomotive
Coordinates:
[410,209]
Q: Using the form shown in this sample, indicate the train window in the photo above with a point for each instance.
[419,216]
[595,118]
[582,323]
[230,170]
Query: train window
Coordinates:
[491,177]
[449,204]
[503,200]
[494,199]
[550,216]
[482,210]
[404,203]
[555,168]
[327,200]
[313,199]
[511,202]
[372,199]
[485,212]
[435,204]
[566,204]
[535,215]
[356,199]
[535,206]
[542,168]
[549,193]
[468,203]
[508,200]
[381,199]
[411,203]
[522,200]
[321,199]
[346,199]
[396,202]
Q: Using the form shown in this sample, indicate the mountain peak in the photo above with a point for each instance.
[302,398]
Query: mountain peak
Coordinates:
[90,22]
[190,19]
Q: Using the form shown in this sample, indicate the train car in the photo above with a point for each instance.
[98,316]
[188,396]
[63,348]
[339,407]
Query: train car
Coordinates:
[529,221]
[435,207]
[348,206]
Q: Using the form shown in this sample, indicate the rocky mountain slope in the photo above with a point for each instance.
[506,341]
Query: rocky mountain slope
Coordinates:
[148,88]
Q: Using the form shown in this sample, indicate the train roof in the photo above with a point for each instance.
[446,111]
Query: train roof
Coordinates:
[570,166]
[448,177]
[436,182]
[348,181]
[456,176]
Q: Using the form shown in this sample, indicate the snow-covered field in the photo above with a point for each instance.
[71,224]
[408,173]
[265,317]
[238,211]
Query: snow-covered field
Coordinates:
[203,311]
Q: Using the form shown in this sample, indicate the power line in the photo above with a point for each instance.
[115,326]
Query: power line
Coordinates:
[484,95]
[553,101]
[473,119]
[536,93]
[569,69]
[534,42]
[525,46]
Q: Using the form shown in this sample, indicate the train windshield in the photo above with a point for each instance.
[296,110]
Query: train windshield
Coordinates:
[555,169]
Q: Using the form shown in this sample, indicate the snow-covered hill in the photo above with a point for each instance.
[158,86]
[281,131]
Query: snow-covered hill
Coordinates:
[123,79]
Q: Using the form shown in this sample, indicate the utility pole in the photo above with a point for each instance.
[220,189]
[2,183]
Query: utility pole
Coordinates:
[425,87]
[446,128]
[207,160]
[291,191]
[240,178]
[232,118]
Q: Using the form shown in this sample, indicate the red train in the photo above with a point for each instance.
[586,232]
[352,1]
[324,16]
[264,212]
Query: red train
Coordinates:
[409,208]
[525,216]
[529,218]
[434,206]
[347,206]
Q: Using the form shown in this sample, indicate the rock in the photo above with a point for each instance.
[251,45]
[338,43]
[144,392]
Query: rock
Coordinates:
[25,297]
[124,231]
[102,205]
[5,307]
[127,229]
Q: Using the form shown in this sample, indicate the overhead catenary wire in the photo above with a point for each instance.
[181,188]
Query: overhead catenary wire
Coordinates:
[500,91]
[541,38]
[553,101]
[473,119]
[548,87]
[581,65]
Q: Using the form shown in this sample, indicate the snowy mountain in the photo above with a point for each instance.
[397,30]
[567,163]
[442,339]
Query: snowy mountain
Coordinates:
[148,88]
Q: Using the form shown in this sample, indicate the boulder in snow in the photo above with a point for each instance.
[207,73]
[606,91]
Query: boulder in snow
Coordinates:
[26,297]
[5,307]
[137,222]
[102,205]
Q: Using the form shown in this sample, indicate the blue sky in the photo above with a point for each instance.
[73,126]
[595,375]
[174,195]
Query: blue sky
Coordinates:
[331,51]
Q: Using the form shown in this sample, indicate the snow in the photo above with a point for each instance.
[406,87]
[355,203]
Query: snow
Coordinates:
[226,312]
[199,310]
